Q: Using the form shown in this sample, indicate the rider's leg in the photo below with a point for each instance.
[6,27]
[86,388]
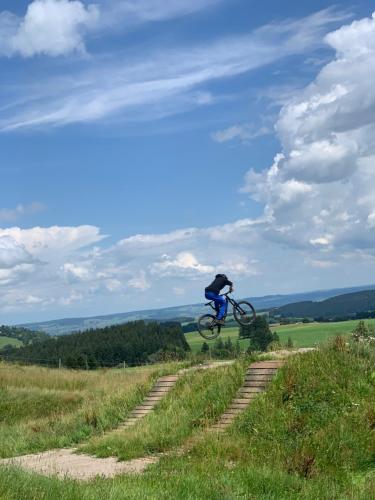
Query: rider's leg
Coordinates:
[223,306]
[220,304]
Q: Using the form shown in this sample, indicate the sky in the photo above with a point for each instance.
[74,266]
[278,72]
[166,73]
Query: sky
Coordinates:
[147,145]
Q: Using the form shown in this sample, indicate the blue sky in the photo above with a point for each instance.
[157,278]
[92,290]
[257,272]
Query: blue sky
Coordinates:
[138,141]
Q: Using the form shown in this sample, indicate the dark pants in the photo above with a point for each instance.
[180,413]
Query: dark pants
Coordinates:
[221,303]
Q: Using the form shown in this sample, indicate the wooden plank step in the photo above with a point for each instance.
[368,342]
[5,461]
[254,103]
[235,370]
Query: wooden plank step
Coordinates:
[154,400]
[258,378]
[163,383]
[264,371]
[158,390]
[168,378]
[227,418]
[255,383]
[267,364]
[140,412]
[249,385]
[252,389]
[144,407]
[241,401]
[232,411]
[238,406]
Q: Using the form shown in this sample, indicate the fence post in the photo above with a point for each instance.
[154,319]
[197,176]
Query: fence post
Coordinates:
[59,363]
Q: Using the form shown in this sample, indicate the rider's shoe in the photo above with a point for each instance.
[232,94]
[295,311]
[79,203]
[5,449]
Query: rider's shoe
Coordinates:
[220,321]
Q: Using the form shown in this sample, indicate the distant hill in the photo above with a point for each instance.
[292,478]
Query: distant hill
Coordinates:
[181,313]
[348,304]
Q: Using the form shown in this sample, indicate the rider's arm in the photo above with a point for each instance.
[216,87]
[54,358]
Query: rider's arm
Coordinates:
[230,284]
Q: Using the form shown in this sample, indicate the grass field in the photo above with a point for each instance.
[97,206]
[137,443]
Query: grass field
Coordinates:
[41,409]
[302,335]
[196,401]
[8,341]
[310,436]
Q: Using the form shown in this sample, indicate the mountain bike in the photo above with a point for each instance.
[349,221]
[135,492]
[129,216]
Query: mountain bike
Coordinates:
[243,312]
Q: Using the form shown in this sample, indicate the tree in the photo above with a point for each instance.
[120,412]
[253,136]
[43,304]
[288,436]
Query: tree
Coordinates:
[289,343]
[205,348]
[237,349]
[228,346]
[259,334]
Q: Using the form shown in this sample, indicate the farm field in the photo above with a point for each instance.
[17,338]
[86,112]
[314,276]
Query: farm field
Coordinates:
[302,335]
[8,341]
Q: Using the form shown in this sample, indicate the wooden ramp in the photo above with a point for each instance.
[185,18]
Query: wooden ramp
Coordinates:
[256,379]
[160,389]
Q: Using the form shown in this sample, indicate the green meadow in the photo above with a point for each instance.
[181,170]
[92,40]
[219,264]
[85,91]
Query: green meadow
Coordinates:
[302,334]
[9,341]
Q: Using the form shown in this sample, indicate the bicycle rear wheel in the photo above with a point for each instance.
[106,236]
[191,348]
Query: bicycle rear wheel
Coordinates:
[208,328]
[244,313]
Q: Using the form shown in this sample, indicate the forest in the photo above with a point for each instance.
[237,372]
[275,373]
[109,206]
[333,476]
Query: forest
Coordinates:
[131,344]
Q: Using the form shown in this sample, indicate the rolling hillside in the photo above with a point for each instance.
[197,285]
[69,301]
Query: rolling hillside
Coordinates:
[69,325]
[343,305]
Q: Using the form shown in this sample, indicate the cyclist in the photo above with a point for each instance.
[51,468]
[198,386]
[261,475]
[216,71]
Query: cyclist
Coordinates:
[212,293]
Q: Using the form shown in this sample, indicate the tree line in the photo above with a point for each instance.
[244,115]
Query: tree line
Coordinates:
[132,343]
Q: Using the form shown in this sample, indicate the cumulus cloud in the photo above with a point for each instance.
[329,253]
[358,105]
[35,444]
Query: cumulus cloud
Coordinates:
[67,268]
[185,263]
[50,27]
[12,253]
[60,241]
[319,192]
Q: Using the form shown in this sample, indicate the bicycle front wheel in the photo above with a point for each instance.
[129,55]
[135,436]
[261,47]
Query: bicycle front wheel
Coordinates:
[244,313]
[208,328]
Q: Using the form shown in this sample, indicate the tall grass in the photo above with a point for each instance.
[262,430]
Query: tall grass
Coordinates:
[42,408]
[196,401]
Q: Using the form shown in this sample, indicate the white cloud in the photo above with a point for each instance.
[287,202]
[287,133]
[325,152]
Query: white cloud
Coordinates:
[74,272]
[41,242]
[185,263]
[12,214]
[245,132]
[50,27]
[140,282]
[165,82]
[139,11]
[12,253]
[320,193]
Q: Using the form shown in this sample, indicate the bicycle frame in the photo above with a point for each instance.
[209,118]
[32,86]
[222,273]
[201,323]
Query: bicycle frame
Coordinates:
[229,300]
